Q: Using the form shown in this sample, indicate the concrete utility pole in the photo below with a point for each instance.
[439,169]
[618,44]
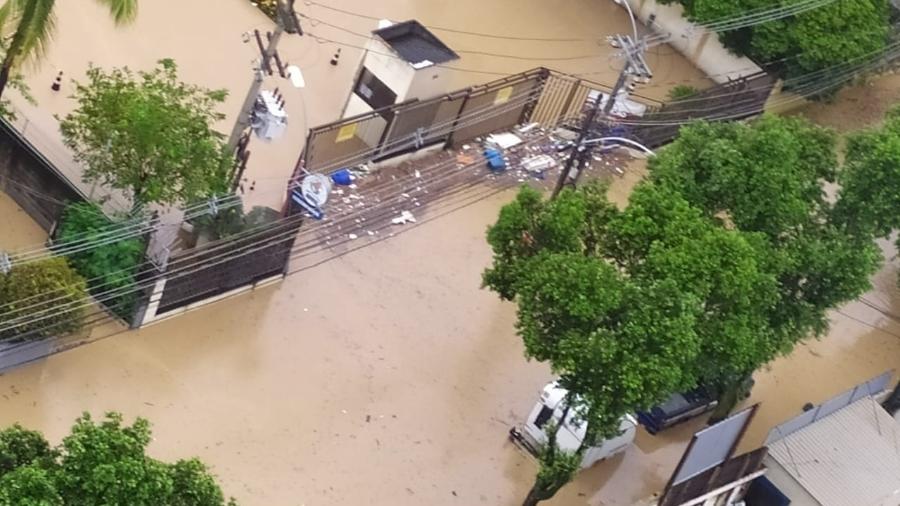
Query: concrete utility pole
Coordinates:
[635,65]
[287,22]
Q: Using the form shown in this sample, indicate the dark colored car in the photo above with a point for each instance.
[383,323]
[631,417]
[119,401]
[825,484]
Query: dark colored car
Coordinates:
[679,408]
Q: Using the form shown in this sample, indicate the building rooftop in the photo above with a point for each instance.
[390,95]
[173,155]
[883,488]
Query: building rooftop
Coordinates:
[415,44]
[849,457]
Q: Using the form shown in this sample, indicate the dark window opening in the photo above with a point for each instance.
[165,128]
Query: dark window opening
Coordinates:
[543,417]
[373,91]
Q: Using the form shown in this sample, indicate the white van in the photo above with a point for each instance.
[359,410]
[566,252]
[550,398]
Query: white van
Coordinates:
[550,408]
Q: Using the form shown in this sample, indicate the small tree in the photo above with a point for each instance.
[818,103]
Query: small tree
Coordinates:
[149,134]
[99,463]
[41,298]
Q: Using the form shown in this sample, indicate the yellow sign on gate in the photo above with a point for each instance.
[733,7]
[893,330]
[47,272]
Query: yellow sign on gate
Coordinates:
[503,95]
[346,132]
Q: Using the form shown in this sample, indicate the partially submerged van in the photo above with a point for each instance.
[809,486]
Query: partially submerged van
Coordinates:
[570,436]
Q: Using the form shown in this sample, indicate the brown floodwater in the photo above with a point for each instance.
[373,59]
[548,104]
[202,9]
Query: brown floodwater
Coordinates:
[386,376]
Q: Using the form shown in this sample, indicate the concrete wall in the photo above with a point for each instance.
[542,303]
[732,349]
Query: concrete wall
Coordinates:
[31,180]
[393,72]
[429,82]
[702,48]
[407,82]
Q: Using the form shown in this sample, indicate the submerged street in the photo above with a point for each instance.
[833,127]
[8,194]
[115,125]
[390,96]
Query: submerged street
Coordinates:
[387,375]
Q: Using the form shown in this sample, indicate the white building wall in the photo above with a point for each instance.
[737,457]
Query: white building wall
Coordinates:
[787,484]
[429,82]
[699,46]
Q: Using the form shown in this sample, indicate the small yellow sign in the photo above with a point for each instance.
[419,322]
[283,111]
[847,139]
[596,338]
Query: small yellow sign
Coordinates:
[346,132]
[503,95]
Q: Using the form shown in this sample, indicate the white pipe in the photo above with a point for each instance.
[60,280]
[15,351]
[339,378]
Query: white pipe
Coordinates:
[636,144]
[631,16]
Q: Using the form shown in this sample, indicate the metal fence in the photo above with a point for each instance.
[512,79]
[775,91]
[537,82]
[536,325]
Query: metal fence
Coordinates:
[219,267]
[539,95]
[736,100]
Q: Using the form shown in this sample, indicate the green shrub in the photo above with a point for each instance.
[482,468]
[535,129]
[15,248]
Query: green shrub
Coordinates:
[41,299]
[107,264]
[682,91]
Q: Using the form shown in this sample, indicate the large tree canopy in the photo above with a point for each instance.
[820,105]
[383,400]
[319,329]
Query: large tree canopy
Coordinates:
[833,34]
[870,198]
[768,178]
[149,134]
[98,463]
[726,257]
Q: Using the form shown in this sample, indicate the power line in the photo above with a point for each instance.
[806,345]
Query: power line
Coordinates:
[453,30]
[472,118]
[867,324]
[320,39]
[316,21]
[170,276]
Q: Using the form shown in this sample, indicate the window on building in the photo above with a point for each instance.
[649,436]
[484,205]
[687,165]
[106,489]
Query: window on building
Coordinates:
[373,91]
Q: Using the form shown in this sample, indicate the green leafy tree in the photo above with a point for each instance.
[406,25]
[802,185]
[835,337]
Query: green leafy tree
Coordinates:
[870,202]
[100,463]
[41,298]
[832,34]
[149,134]
[727,257]
[28,25]
[765,179]
[29,486]
[619,340]
[22,447]
[99,253]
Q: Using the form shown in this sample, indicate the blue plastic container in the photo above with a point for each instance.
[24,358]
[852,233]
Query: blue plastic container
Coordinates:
[342,177]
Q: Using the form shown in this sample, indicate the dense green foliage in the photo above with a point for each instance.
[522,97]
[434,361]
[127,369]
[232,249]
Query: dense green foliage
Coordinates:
[98,463]
[870,199]
[41,298]
[725,258]
[149,134]
[96,248]
[829,35]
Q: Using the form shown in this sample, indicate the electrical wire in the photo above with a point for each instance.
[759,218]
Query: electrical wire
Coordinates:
[469,119]
[465,51]
[56,310]
[311,3]
[321,40]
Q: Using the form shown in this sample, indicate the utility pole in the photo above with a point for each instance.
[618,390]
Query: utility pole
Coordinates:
[635,65]
[287,22]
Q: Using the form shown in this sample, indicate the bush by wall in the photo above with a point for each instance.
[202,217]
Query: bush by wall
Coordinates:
[88,238]
[41,299]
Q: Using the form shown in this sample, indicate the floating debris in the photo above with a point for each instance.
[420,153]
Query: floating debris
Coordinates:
[404,218]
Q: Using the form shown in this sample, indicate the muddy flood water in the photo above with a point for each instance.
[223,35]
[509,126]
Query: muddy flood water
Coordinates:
[386,376]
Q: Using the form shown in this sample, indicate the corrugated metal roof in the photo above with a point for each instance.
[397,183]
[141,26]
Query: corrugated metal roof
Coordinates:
[850,457]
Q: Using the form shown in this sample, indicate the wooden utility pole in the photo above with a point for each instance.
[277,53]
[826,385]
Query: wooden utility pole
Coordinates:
[287,22]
